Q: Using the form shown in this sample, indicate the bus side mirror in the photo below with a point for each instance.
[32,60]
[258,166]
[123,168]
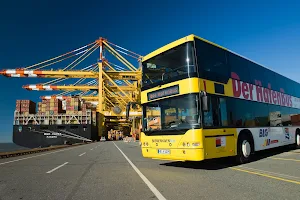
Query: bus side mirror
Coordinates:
[205,104]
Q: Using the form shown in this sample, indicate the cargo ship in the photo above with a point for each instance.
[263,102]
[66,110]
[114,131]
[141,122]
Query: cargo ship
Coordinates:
[56,122]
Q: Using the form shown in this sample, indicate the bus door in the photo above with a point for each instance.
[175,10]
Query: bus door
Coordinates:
[219,140]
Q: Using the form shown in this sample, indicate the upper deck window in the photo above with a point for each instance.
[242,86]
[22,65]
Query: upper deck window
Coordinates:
[212,62]
[171,65]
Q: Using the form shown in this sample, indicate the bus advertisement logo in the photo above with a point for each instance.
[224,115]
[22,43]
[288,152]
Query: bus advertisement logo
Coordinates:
[263,132]
[269,142]
[258,93]
[287,134]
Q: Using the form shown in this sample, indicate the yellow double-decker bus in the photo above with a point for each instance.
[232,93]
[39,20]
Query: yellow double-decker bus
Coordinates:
[202,101]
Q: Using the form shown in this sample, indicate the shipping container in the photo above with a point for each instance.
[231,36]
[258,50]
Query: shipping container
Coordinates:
[26,107]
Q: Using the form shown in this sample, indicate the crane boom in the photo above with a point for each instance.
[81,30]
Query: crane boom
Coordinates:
[60,87]
[118,75]
[72,87]
[88,98]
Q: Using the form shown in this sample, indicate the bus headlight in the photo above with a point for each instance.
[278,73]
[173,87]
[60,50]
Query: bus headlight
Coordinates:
[188,144]
[183,144]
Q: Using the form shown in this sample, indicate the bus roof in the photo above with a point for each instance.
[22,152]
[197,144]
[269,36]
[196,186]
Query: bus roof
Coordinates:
[192,37]
[168,46]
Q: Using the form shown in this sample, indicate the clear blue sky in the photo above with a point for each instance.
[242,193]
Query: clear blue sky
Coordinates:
[32,31]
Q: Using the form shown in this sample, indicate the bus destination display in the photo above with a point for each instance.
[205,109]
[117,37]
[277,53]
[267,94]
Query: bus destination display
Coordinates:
[163,92]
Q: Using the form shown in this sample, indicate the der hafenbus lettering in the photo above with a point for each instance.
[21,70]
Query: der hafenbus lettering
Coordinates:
[201,101]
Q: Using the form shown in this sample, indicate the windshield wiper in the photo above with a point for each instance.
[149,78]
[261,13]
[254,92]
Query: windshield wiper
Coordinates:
[151,132]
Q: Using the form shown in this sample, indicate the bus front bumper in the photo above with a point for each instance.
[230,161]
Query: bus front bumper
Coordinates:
[182,154]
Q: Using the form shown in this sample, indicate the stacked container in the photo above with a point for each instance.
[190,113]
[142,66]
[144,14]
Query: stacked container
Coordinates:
[72,106]
[83,108]
[27,107]
[18,105]
[39,111]
[55,106]
[45,106]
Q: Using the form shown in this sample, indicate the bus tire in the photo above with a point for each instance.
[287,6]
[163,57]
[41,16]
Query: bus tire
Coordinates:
[244,148]
[296,144]
[297,138]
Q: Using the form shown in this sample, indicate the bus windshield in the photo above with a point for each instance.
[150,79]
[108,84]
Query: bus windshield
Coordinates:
[170,65]
[176,113]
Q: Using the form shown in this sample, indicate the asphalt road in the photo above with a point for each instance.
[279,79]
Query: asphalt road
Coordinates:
[116,170]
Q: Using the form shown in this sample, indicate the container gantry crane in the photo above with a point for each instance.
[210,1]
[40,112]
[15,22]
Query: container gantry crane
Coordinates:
[107,88]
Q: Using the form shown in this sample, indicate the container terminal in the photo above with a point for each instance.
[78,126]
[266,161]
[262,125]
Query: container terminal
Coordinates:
[87,109]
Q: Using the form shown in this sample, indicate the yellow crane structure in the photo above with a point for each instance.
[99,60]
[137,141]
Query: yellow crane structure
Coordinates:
[108,93]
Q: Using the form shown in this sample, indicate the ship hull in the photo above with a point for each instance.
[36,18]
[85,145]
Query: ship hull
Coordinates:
[34,136]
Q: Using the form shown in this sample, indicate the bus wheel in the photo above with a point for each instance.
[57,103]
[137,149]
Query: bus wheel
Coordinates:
[296,145]
[244,149]
[298,139]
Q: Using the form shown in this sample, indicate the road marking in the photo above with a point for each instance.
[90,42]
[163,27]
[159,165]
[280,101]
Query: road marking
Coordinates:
[286,159]
[82,154]
[69,148]
[265,175]
[52,170]
[268,172]
[91,149]
[148,183]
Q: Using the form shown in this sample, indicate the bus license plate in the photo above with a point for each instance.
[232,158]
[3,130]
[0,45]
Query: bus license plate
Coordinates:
[163,151]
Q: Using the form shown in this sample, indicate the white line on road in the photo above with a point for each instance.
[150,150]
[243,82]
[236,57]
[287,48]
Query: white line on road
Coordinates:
[148,183]
[52,170]
[82,154]
[69,148]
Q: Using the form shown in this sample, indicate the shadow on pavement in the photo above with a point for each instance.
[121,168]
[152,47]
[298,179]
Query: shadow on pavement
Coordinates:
[221,163]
